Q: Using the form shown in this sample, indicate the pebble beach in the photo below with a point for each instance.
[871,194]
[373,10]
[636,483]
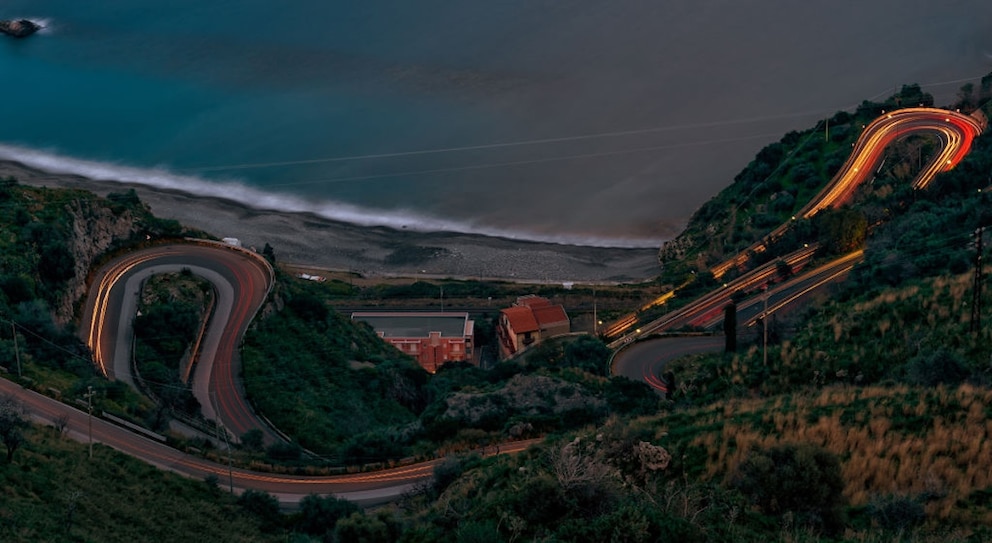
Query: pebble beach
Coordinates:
[311,242]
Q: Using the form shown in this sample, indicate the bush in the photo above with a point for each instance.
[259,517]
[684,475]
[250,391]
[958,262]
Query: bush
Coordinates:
[284,452]
[263,506]
[381,528]
[319,515]
[589,354]
[371,447]
[253,440]
[897,513]
[631,523]
[939,367]
[799,478]
[451,468]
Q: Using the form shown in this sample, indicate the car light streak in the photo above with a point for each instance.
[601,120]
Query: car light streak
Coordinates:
[957,132]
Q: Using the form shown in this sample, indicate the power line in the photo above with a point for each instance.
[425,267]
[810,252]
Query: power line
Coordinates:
[493,165]
[503,145]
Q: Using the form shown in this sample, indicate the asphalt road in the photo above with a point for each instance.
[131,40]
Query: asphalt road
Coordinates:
[242,282]
[364,488]
[646,360]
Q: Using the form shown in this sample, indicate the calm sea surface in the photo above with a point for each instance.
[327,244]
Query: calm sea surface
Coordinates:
[578,121]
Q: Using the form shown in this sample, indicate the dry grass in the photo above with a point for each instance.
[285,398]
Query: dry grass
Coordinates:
[944,451]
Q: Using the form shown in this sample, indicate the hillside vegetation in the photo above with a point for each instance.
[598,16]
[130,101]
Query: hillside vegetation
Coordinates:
[869,421]
[781,179]
[342,393]
[53,492]
[50,240]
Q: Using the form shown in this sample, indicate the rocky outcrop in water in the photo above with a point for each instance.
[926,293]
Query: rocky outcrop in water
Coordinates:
[20,28]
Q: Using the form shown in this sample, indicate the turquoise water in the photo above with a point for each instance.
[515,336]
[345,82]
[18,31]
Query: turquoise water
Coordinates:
[573,121]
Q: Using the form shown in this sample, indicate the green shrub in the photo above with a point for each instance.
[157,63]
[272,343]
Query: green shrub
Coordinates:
[797,478]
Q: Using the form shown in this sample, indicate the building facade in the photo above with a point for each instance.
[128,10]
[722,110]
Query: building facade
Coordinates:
[529,321]
[432,338]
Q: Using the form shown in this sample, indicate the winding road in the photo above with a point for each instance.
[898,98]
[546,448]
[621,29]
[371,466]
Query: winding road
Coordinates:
[364,488]
[243,281]
[955,132]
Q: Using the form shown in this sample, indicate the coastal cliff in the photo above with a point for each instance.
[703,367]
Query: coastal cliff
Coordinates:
[19,28]
[95,229]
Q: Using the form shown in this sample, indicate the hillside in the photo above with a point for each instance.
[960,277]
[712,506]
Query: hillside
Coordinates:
[787,174]
[868,423]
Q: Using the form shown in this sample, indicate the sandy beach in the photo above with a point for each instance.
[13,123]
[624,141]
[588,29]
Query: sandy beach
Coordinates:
[320,244]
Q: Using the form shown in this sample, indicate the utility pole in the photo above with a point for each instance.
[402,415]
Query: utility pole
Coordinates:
[230,470]
[442,298]
[764,322]
[217,424]
[89,418]
[595,322]
[17,352]
[976,302]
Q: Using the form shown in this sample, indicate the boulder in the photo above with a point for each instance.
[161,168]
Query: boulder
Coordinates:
[20,28]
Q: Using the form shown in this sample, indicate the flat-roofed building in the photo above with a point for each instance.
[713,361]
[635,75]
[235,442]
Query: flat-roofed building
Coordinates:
[432,338]
[529,321]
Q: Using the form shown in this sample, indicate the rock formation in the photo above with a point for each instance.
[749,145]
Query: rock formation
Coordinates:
[95,230]
[20,28]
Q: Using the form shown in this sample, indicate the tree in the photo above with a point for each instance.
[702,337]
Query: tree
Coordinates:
[269,253]
[966,97]
[671,385]
[263,506]
[783,270]
[374,446]
[985,91]
[913,95]
[588,353]
[319,515]
[842,230]
[451,468]
[71,506]
[730,327]
[60,423]
[253,440]
[359,528]
[11,422]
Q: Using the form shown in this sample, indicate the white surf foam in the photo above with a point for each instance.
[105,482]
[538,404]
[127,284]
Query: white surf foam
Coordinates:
[237,191]
[44,23]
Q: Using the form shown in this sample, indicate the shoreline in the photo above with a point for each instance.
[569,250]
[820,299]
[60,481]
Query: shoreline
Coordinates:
[304,240]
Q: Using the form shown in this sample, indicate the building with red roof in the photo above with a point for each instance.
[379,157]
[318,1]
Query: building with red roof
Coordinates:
[531,320]
[432,338]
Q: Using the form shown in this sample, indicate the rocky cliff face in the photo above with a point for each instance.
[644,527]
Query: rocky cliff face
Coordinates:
[94,230]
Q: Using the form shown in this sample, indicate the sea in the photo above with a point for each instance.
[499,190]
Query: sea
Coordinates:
[584,122]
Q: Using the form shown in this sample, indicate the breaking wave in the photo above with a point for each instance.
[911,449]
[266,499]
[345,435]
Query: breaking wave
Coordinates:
[237,191]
